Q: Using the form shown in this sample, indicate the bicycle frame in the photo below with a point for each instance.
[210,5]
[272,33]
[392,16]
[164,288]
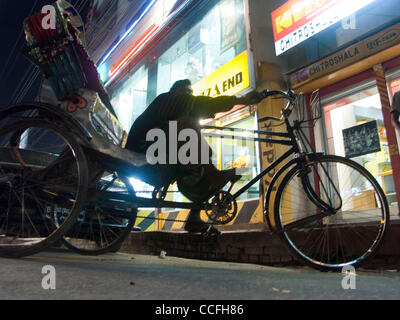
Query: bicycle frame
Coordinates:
[288,138]
[289,141]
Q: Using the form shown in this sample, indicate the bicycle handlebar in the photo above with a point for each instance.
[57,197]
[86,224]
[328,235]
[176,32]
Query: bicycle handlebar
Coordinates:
[290,95]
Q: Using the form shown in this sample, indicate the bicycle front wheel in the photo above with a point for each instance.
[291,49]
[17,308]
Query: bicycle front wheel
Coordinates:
[331,212]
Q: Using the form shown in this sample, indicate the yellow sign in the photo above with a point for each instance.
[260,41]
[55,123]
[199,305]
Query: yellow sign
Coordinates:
[228,80]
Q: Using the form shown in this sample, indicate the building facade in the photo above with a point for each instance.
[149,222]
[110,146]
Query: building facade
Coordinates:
[231,47]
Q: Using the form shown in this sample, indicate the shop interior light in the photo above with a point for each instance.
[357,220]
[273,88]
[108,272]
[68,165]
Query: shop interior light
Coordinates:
[347,8]
[228,10]
[138,45]
[142,189]
[108,54]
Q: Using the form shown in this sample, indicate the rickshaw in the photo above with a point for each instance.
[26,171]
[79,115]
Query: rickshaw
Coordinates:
[65,175]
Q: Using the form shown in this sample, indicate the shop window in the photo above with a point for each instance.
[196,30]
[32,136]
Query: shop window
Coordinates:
[207,46]
[228,154]
[237,153]
[355,129]
[129,101]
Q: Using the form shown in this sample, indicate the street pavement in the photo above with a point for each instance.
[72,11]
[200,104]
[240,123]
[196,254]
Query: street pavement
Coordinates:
[138,277]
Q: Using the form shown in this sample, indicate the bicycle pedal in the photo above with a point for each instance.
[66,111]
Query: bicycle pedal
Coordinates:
[210,232]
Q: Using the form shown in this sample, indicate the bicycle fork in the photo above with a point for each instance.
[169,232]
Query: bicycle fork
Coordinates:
[313,193]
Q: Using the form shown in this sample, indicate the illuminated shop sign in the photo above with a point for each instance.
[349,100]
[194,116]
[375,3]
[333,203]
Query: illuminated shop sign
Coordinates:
[299,20]
[372,45]
[230,79]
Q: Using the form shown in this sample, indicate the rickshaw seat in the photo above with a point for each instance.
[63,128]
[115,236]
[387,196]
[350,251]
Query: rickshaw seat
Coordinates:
[69,72]
[62,56]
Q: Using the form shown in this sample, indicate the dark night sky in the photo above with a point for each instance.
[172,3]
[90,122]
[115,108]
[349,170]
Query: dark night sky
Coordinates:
[13,64]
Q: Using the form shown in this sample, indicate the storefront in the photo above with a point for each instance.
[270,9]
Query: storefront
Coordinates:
[356,80]
[208,43]
[349,51]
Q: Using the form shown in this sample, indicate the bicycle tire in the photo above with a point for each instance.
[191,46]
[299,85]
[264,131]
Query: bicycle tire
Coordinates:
[26,224]
[337,230]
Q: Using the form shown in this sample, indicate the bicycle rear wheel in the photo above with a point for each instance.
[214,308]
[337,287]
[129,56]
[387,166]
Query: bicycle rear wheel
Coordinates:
[331,212]
[105,220]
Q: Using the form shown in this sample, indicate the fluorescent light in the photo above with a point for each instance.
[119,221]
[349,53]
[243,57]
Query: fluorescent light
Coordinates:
[138,45]
[127,32]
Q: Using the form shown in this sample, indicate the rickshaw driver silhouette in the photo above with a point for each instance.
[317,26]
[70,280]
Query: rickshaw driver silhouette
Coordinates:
[198,182]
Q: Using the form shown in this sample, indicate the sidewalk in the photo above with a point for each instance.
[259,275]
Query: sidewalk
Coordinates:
[259,247]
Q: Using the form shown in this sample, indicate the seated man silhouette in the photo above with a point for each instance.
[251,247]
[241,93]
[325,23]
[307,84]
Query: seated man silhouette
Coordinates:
[200,181]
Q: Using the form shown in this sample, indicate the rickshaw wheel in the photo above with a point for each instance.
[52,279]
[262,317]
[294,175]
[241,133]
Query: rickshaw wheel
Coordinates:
[105,220]
[43,171]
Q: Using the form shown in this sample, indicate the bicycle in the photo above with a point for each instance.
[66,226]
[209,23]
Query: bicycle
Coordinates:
[329,233]
[64,176]
[328,210]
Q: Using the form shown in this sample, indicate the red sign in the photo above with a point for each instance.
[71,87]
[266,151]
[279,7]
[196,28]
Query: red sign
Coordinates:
[299,20]
[295,13]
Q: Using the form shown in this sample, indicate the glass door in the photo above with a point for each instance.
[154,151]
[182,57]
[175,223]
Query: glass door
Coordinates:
[355,129]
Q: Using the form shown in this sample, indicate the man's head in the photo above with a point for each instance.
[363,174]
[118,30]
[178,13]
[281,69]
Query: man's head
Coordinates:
[182,87]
